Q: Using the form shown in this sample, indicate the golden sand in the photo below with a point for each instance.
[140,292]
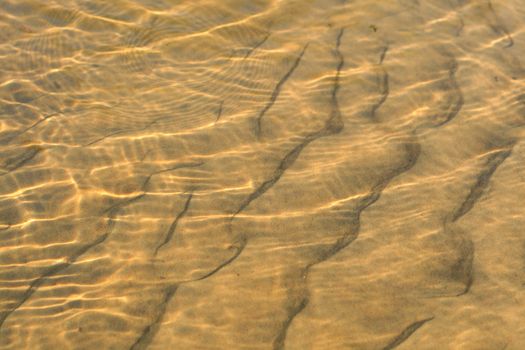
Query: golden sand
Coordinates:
[256,174]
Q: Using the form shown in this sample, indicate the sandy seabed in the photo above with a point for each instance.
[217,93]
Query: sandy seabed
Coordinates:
[286,174]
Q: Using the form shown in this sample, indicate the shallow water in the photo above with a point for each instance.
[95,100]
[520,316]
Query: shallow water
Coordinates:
[286,174]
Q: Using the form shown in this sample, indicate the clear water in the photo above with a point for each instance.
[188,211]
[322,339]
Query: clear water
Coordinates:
[286,174]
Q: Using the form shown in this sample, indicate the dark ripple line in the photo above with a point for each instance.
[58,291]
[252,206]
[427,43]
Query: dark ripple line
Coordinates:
[464,268]
[32,126]
[147,335]
[413,151]
[482,181]
[118,132]
[278,343]
[241,244]
[260,43]
[383,54]
[276,91]
[219,111]
[332,126]
[406,333]
[456,94]
[111,213]
[149,332]
[384,91]
[173,226]
[33,287]
[16,163]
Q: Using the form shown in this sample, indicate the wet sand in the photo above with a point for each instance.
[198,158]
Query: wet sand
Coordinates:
[287,174]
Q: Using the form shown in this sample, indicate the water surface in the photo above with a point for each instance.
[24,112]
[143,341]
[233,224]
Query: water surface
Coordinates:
[286,174]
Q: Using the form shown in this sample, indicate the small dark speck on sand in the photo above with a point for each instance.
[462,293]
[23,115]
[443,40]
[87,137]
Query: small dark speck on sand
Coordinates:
[373,27]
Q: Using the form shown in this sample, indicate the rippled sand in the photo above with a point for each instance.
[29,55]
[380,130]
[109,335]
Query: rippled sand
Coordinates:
[286,174]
